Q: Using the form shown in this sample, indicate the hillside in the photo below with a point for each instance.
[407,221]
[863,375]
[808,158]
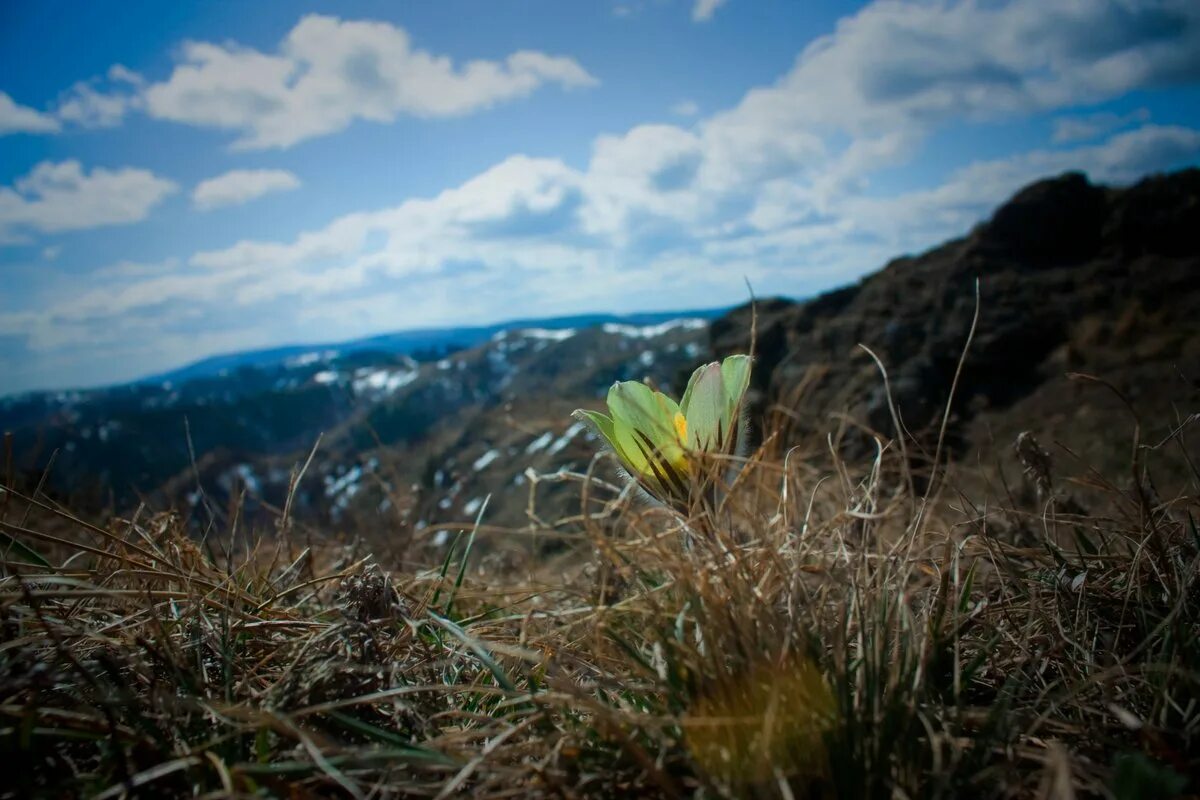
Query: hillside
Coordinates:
[404,443]
[1073,279]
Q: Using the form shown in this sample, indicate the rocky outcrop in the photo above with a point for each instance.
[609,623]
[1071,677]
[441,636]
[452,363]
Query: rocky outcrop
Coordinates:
[1074,278]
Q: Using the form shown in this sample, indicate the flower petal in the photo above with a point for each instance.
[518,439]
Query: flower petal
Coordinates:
[600,424]
[644,409]
[687,393]
[706,409]
[735,374]
[634,453]
[645,431]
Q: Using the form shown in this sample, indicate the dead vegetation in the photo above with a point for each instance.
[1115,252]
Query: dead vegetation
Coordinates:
[826,629]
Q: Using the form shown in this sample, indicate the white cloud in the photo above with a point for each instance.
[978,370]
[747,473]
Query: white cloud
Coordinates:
[119,73]
[328,73]
[911,64]
[866,96]
[86,107]
[502,209]
[1092,126]
[16,118]
[685,108]
[645,176]
[921,218]
[63,196]
[241,186]
[52,252]
[529,217]
[115,301]
[87,104]
[703,10]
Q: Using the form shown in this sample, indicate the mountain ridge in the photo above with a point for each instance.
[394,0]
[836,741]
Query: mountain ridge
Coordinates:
[407,342]
[1074,278]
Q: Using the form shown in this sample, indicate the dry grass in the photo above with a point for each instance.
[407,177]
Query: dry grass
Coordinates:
[820,629]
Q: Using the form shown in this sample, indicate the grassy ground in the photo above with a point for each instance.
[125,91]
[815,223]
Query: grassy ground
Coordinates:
[824,629]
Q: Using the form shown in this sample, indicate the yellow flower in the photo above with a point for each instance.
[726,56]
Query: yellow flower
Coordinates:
[660,441]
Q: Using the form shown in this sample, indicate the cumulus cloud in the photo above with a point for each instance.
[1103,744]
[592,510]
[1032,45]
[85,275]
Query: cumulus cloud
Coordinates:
[119,73]
[776,188]
[328,73]
[703,10]
[1086,127]
[867,95]
[102,102]
[536,227]
[119,300]
[918,64]
[503,208]
[61,196]
[241,186]
[16,118]
[648,176]
[88,107]
[918,218]
[95,103]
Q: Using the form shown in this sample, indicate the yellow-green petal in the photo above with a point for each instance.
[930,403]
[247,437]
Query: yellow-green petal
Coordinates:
[632,452]
[735,374]
[706,409]
[600,424]
[642,408]
[687,393]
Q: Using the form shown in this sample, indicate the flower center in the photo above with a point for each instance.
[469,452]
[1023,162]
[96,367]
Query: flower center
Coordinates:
[681,426]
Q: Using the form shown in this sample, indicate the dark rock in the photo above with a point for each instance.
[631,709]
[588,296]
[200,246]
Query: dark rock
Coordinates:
[1073,277]
[1055,221]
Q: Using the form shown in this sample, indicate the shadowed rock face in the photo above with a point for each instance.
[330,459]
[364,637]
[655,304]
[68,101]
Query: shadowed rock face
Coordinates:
[1073,278]
[1050,223]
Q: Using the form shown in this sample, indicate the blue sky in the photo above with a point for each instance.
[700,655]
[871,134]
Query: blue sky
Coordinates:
[179,180]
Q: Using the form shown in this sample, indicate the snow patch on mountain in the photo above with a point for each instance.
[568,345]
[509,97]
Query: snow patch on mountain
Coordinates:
[383,381]
[307,359]
[653,331]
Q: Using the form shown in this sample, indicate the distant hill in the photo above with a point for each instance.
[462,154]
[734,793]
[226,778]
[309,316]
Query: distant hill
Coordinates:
[427,342]
[417,440]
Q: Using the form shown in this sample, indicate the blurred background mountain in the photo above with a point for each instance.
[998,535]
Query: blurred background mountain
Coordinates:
[412,432]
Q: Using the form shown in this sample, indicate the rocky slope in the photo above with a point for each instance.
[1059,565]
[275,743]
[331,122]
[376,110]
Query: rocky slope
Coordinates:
[1073,278]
